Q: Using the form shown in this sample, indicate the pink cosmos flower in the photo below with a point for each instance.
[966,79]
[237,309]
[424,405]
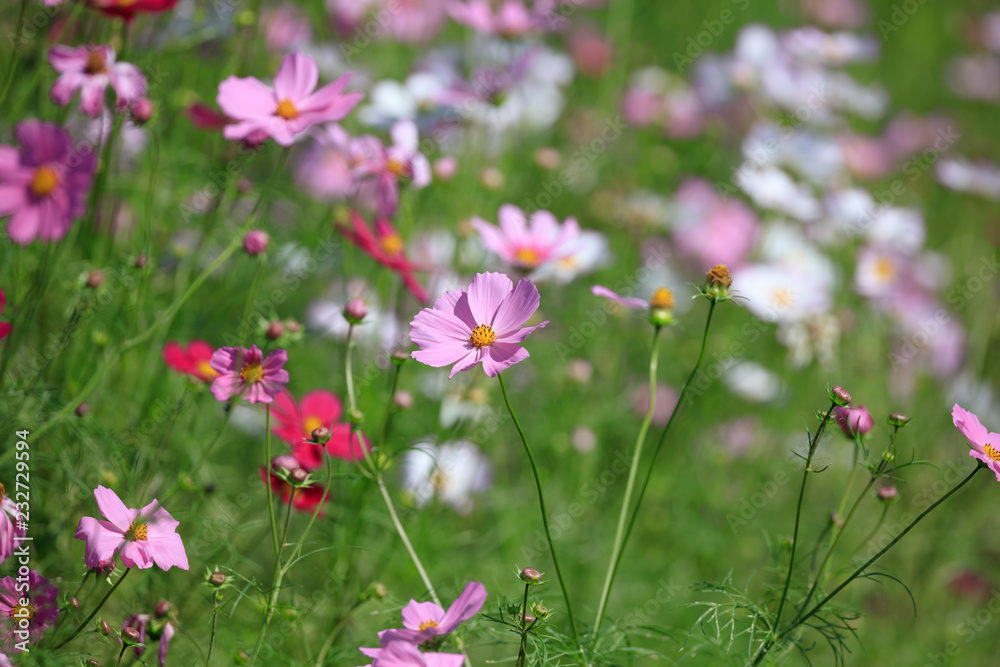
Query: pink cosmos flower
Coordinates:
[854,419]
[243,371]
[482,324]
[10,534]
[324,169]
[4,326]
[141,537]
[387,165]
[512,18]
[528,244]
[711,230]
[90,69]
[287,109]
[403,654]
[985,444]
[425,620]
[44,185]
[19,622]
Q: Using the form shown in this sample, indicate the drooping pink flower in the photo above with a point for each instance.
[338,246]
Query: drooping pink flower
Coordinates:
[287,109]
[140,623]
[403,654]
[19,622]
[482,324]
[44,185]
[854,419]
[247,372]
[90,69]
[528,243]
[10,533]
[193,361]
[294,421]
[985,444]
[141,537]
[379,168]
[4,326]
[385,246]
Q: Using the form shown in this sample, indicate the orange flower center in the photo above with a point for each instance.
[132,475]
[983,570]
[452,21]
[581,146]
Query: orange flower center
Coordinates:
[392,244]
[95,63]
[313,423]
[885,269]
[397,167]
[206,371]
[2,490]
[662,298]
[287,110]
[482,336]
[137,531]
[252,373]
[527,256]
[22,611]
[992,451]
[428,624]
[44,182]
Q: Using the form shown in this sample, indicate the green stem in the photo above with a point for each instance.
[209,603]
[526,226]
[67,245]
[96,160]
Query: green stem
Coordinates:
[279,572]
[351,403]
[406,540]
[328,644]
[252,299]
[640,441]
[522,652]
[388,407]
[215,622]
[541,505]
[15,56]
[267,471]
[798,511]
[100,604]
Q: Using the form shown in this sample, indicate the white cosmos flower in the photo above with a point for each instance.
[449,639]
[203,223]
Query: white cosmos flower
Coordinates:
[782,294]
[452,472]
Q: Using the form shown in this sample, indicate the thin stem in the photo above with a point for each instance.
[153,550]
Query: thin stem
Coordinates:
[663,435]
[406,540]
[640,441]
[100,604]
[252,298]
[351,403]
[15,56]
[267,470]
[798,511]
[388,407]
[328,644]
[522,651]
[215,622]
[121,654]
[541,505]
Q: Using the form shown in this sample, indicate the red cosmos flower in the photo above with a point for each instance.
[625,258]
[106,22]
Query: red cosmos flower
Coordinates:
[193,361]
[385,246]
[4,326]
[303,499]
[295,421]
[127,9]
[205,117]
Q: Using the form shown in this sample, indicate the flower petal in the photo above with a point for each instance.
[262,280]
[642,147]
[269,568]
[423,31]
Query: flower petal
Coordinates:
[113,509]
[465,607]
[486,293]
[516,309]
[296,78]
[502,356]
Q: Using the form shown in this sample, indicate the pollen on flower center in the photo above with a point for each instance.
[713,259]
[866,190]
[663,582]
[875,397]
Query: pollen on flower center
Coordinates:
[662,298]
[252,373]
[95,63]
[19,611]
[885,269]
[2,490]
[312,423]
[397,167]
[137,531]
[527,256]
[44,181]
[391,243]
[482,336]
[782,297]
[428,624]
[992,451]
[287,110]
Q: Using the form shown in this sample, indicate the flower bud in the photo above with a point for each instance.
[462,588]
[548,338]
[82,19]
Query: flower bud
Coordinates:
[275,330]
[717,282]
[130,636]
[445,168]
[162,608]
[888,493]
[255,140]
[839,396]
[217,579]
[298,475]
[82,410]
[399,357]
[379,590]
[93,663]
[255,242]
[285,463]
[836,521]
[539,610]
[661,307]
[854,420]
[103,628]
[529,620]
[355,311]
[95,278]
[403,399]
[292,325]
[140,261]
[142,110]
[320,435]
[547,157]
[530,575]
[897,420]
[73,603]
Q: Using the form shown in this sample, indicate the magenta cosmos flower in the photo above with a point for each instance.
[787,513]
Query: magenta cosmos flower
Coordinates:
[10,532]
[26,622]
[141,537]
[90,69]
[247,372]
[528,244]
[425,620]
[482,324]
[985,444]
[44,185]
[287,109]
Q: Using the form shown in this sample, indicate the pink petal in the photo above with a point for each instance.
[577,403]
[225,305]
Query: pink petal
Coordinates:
[486,293]
[245,98]
[405,135]
[443,659]
[113,509]
[10,161]
[627,301]
[66,58]
[502,356]
[969,425]
[493,239]
[544,226]
[167,550]
[41,143]
[296,78]
[92,94]
[64,87]
[466,606]
[456,302]
[103,539]
[134,554]
[415,613]
[329,103]
[431,327]
[24,225]
[519,335]
[226,386]
[128,82]
[516,309]
[322,405]
[513,224]
[468,361]
[12,197]
[442,354]
[421,171]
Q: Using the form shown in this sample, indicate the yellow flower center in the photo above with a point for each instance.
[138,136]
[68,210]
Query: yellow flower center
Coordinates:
[287,110]
[252,373]
[782,297]
[392,244]
[95,63]
[137,531]
[20,611]
[44,182]
[885,269]
[439,480]
[992,451]
[206,370]
[312,423]
[2,490]
[482,336]
[397,167]
[527,256]
[428,624]
[662,298]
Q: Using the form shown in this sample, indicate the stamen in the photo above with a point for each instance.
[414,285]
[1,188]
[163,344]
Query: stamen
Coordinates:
[287,110]
[992,452]
[392,244]
[19,611]
[428,624]
[528,256]
[95,63]
[137,532]
[482,336]
[252,373]
[662,298]
[44,182]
